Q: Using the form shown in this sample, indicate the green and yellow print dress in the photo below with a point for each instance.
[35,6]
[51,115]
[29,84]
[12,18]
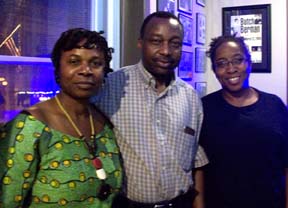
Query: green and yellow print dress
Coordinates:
[42,167]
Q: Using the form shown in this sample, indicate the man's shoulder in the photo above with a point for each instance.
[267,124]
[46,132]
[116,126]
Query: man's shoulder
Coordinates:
[186,91]
[182,84]
[122,71]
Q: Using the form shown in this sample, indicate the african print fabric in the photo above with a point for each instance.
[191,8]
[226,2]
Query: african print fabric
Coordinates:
[42,167]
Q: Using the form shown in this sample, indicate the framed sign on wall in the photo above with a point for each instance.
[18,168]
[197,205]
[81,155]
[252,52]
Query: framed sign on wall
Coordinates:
[185,6]
[200,28]
[201,2]
[185,69]
[200,57]
[201,88]
[188,29]
[254,25]
[166,5]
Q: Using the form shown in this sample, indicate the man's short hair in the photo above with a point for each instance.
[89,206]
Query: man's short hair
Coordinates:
[159,14]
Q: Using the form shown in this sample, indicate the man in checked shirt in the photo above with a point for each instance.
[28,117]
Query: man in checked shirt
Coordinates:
[157,118]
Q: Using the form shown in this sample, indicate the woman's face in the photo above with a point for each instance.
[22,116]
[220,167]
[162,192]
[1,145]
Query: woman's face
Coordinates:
[231,67]
[81,72]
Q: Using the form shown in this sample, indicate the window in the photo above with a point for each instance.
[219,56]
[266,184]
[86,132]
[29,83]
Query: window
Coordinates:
[27,38]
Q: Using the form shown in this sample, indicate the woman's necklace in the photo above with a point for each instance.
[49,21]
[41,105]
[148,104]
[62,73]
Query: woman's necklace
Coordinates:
[72,122]
[100,172]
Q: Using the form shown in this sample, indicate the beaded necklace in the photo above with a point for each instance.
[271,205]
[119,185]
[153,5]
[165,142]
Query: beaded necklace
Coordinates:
[72,122]
[100,172]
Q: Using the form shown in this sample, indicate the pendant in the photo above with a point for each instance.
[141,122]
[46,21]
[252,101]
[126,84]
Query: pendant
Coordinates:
[100,172]
[104,192]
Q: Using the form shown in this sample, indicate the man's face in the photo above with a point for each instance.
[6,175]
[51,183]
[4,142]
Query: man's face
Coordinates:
[161,46]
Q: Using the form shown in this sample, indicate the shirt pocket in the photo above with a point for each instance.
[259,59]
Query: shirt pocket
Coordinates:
[187,147]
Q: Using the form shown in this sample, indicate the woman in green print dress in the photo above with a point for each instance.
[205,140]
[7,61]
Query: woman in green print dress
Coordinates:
[62,152]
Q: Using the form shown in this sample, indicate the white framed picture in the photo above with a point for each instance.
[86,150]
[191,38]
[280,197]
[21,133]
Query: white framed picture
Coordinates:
[201,88]
[200,60]
[185,6]
[188,29]
[166,5]
[200,28]
[201,2]
[185,69]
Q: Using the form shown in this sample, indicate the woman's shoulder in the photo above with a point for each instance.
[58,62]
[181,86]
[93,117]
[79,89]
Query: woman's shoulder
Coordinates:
[38,110]
[43,111]
[24,122]
[212,97]
[269,97]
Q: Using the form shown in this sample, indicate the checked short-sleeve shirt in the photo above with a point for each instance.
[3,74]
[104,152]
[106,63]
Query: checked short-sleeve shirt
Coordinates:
[157,133]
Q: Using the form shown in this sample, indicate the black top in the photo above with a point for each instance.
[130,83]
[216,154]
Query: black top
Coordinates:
[248,152]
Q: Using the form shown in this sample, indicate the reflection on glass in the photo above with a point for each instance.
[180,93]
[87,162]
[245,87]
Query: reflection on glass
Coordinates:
[24,85]
[29,29]
[30,33]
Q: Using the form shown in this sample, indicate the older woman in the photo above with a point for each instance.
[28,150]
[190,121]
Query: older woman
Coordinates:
[62,152]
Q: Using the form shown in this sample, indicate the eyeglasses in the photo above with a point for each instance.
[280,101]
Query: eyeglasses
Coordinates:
[225,63]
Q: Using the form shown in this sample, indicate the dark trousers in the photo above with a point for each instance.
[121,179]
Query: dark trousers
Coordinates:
[182,201]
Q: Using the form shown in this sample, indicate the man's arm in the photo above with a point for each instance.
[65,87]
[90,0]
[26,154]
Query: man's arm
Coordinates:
[198,177]
[199,186]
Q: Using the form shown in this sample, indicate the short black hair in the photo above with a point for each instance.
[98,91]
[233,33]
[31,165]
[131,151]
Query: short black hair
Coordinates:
[216,42]
[158,14]
[71,38]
